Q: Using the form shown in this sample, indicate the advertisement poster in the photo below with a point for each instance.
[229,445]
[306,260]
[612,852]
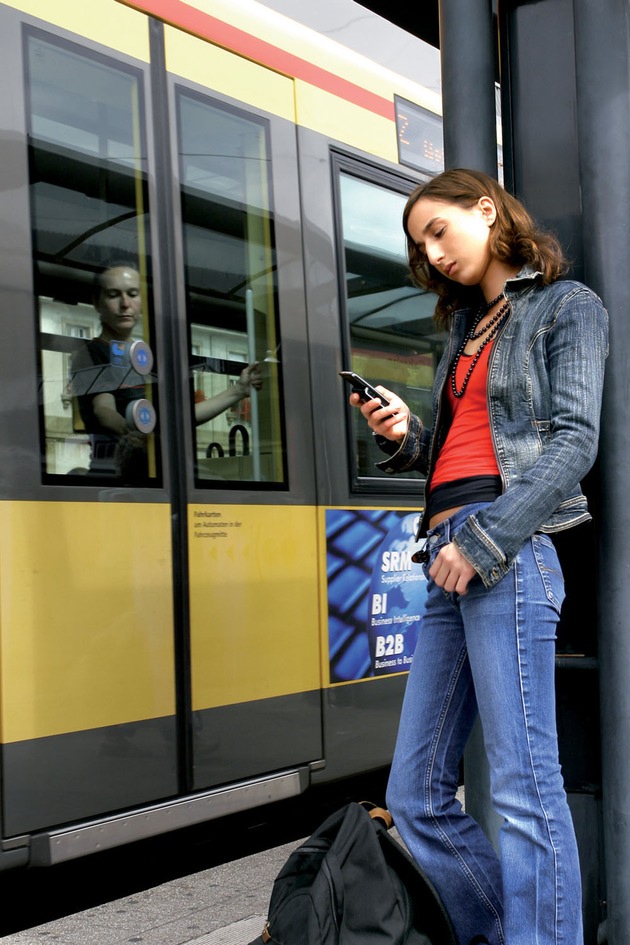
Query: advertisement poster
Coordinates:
[376,593]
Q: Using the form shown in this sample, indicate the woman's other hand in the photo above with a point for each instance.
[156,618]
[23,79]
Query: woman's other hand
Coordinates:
[451,571]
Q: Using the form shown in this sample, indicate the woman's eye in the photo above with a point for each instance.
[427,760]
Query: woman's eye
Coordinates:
[439,233]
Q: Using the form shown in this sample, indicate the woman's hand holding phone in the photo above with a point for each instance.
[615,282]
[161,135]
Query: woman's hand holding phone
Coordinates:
[386,414]
[390,421]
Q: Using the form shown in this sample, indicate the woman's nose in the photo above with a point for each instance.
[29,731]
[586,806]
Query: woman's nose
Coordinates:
[434,254]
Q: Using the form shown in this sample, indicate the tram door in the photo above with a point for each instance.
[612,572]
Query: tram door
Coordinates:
[142,660]
[87,620]
[252,540]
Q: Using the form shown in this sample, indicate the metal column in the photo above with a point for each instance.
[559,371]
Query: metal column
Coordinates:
[602,35]
[468,49]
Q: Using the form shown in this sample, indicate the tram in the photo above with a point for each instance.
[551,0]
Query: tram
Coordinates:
[228,618]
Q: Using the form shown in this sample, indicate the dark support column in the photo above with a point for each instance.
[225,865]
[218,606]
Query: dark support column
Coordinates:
[468,49]
[602,31]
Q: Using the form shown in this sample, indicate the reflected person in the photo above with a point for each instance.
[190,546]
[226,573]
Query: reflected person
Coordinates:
[249,377]
[104,382]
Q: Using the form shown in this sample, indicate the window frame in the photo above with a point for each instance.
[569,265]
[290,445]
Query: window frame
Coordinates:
[137,74]
[206,97]
[401,183]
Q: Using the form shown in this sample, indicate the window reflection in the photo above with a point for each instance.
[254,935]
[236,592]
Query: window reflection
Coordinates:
[392,337]
[107,387]
[231,294]
[87,171]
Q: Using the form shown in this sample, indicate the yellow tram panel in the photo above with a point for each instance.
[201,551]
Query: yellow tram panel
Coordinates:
[253,602]
[242,49]
[102,21]
[220,70]
[337,118]
[86,616]
[262,88]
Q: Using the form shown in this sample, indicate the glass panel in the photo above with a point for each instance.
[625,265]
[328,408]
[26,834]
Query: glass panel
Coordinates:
[231,295]
[89,219]
[393,340]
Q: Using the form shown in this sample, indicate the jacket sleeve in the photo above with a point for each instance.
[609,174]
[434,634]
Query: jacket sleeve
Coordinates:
[576,350]
[411,454]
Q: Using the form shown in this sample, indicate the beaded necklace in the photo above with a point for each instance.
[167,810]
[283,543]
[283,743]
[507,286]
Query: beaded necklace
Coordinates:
[489,330]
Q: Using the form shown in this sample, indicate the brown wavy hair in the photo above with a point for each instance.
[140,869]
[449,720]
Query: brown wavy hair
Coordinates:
[514,237]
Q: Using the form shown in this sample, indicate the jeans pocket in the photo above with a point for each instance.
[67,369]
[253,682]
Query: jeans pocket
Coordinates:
[549,568]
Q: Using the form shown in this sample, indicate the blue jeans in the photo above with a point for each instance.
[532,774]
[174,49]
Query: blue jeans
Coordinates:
[490,651]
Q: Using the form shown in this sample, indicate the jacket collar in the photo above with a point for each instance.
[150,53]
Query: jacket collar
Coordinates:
[523,279]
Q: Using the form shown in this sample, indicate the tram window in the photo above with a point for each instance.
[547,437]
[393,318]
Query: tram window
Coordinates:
[91,260]
[231,295]
[390,332]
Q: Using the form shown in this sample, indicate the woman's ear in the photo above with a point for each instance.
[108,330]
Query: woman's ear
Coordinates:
[488,209]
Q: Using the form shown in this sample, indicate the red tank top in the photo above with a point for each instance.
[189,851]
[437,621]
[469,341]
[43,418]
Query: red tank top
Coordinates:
[468,449]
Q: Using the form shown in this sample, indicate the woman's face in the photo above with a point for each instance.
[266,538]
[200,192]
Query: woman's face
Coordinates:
[455,239]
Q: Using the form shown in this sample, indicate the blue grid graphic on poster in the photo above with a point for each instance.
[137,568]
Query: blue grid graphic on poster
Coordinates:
[376,594]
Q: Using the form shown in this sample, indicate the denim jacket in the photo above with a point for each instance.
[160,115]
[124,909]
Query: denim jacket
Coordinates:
[545,379]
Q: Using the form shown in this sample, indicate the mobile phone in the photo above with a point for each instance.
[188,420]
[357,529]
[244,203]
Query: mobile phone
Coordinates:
[363,388]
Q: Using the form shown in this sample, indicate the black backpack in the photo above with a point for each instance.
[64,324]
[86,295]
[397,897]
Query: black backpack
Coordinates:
[351,883]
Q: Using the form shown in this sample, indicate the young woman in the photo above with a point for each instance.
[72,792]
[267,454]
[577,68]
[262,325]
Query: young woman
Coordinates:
[516,407]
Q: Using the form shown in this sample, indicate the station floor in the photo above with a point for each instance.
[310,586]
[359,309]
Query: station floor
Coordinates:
[226,905]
